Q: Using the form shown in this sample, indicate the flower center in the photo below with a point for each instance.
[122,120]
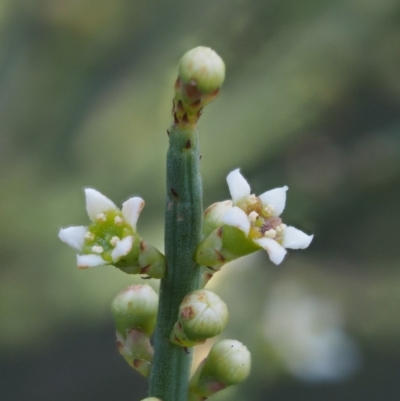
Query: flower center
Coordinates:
[262,219]
[104,234]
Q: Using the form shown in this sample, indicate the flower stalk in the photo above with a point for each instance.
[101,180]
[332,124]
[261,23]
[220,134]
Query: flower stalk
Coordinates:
[183,219]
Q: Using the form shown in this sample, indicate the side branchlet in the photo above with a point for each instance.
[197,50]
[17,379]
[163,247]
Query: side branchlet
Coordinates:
[135,312]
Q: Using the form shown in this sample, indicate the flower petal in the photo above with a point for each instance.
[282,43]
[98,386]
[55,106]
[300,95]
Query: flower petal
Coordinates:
[91,260]
[296,239]
[276,252]
[236,217]
[275,197]
[122,248]
[73,236]
[213,216]
[97,203]
[238,186]
[131,210]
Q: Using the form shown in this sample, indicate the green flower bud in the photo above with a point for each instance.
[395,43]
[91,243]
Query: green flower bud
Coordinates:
[228,363]
[135,308]
[151,399]
[202,315]
[204,67]
[201,74]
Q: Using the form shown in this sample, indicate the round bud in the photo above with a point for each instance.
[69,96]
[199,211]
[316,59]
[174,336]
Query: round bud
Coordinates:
[135,308]
[203,67]
[151,399]
[202,315]
[228,362]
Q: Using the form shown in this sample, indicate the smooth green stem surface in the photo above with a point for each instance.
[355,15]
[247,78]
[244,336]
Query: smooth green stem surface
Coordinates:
[183,220]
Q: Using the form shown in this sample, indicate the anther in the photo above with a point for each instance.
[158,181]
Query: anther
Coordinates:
[101,217]
[269,209]
[114,241]
[97,249]
[281,228]
[118,221]
[253,216]
[270,233]
[89,236]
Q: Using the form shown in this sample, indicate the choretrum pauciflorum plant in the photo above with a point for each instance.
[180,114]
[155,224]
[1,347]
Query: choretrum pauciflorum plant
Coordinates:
[197,244]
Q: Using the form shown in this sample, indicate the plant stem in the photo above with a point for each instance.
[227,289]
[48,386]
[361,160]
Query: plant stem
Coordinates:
[183,220]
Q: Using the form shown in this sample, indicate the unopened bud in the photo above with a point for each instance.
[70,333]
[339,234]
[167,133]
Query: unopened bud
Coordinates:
[151,399]
[228,363]
[202,315]
[203,67]
[135,308]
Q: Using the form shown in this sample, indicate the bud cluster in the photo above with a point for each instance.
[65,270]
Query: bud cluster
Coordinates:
[203,315]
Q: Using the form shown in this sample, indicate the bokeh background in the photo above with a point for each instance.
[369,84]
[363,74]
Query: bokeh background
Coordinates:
[311,100]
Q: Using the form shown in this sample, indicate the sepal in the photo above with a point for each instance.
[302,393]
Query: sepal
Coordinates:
[148,261]
[137,351]
[223,245]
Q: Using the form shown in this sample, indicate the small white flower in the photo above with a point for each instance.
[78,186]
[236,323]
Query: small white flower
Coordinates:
[258,218]
[111,234]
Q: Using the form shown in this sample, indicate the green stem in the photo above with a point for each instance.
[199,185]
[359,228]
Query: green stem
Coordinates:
[183,220]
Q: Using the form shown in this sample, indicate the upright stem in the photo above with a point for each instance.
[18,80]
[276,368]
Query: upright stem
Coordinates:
[200,74]
[183,219]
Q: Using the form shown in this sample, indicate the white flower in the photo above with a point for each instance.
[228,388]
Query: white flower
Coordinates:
[111,234]
[258,218]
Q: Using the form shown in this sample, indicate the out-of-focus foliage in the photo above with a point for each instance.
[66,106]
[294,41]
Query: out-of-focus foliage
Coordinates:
[311,100]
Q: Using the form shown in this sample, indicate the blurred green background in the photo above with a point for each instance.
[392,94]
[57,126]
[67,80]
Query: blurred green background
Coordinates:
[311,100]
